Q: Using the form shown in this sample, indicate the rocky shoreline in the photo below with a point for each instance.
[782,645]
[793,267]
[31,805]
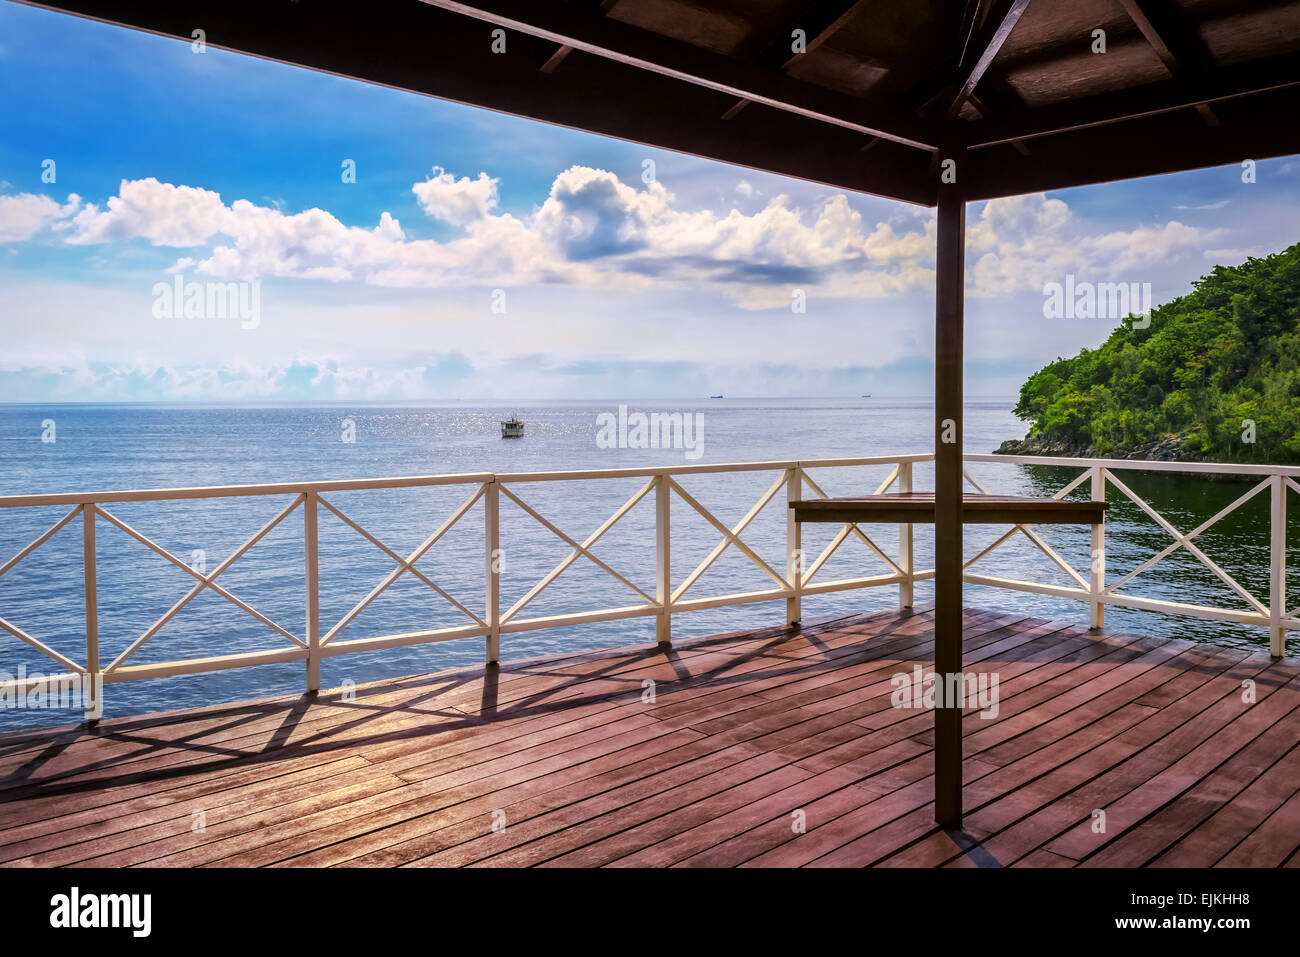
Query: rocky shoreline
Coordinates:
[1165,450]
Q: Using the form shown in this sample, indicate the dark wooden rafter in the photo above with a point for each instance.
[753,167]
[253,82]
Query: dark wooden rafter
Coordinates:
[389,47]
[983,49]
[1173,41]
[969,50]
[655,53]
[1146,147]
[640,84]
[820,21]
[1185,91]
[562,52]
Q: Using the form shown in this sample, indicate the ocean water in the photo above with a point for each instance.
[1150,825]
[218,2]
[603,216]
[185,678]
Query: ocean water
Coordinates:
[107,447]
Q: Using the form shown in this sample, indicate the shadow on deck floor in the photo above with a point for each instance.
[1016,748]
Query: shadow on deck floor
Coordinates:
[773,747]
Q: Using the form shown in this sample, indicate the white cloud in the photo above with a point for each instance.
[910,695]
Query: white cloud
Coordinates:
[593,230]
[456,201]
[162,213]
[25,215]
[1029,240]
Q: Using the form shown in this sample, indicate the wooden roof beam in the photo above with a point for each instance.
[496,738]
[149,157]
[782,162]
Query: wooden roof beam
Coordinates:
[819,22]
[998,24]
[1151,147]
[389,46]
[558,57]
[1173,41]
[1183,92]
[652,52]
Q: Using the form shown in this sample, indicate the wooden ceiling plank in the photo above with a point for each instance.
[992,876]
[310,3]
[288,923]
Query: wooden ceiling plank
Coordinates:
[655,53]
[819,21]
[389,47]
[1151,148]
[1176,44]
[1186,91]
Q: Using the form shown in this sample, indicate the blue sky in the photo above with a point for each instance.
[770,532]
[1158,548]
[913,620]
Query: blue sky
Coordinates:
[479,256]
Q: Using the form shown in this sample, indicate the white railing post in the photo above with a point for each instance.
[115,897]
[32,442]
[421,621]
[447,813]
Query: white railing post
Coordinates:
[93,676]
[310,549]
[492,568]
[1097,564]
[905,587]
[793,547]
[1277,609]
[663,560]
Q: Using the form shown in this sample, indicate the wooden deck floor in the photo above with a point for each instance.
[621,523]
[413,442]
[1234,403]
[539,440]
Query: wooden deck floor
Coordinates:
[575,768]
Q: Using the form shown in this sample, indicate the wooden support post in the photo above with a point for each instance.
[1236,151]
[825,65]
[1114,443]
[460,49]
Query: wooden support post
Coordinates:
[1277,605]
[663,561]
[793,548]
[93,676]
[311,540]
[949,291]
[1097,564]
[905,588]
[492,568]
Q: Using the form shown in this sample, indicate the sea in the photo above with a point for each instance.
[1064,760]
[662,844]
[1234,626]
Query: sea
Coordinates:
[103,447]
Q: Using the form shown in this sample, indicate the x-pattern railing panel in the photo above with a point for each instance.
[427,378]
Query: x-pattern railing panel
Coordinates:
[1028,532]
[1185,541]
[851,528]
[208,581]
[730,536]
[404,565]
[577,549]
[13,629]
[1102,473]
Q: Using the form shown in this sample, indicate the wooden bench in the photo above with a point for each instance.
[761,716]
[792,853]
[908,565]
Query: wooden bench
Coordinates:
[917,508]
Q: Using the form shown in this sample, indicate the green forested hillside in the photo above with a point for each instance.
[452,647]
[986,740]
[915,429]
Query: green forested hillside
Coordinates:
[1226,352]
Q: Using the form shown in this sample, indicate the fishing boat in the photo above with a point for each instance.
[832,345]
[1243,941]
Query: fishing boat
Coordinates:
[512,428]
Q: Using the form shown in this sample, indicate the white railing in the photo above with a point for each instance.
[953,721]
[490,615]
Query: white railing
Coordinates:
[1271,612]
[665,598]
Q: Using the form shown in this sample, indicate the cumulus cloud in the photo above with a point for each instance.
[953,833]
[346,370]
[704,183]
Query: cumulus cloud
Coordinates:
[162,213]
[456,201]
[1020,243]
[594,230]
[25,215]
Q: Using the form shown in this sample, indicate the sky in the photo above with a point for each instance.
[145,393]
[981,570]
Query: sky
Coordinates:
[394,247]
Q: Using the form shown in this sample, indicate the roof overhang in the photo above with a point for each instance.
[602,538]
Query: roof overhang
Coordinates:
[876,96]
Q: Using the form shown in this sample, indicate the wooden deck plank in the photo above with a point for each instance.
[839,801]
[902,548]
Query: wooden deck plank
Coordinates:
[1067,795]
[419,820]
[1224,828]
[375,727]
[768,747]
